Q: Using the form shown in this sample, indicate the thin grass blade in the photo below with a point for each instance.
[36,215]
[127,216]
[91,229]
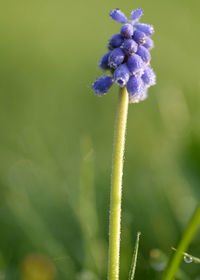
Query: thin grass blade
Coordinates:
[134,259]
[189,258]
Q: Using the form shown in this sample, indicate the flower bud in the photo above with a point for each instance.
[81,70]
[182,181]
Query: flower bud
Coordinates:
[115,41]
[136,98]
[149,77]
[149,44]
[116,58]
[102,85]
[118,16]
[146,28]
[144,54]
[130,46]
[136,14]
[135,88]
[121,75]
[139,37]
[135,64]
[103,63]
[127,30]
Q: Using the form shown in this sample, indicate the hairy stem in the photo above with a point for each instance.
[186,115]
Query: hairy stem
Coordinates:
[116,185]
[183,245]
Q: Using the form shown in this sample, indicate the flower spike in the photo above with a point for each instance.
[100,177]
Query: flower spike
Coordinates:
[128,58]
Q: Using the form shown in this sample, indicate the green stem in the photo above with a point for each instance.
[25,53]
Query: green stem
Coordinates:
[183,245]
[116,185]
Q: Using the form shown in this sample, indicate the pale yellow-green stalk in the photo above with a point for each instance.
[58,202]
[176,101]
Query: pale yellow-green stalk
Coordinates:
[116,185]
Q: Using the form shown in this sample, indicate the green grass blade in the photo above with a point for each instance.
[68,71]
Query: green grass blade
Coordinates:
[183,245]
[134,259]
[189,258]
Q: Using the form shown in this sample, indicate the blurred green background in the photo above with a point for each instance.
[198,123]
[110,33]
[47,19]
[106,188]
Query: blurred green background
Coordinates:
[56,141]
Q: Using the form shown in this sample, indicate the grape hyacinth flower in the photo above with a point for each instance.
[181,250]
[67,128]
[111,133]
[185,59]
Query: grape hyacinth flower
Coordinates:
[116,58]
[115,41]
[144,54]
[121,75]
[127,31]
[149,44]
[102,85]
[135,65]
[130,46]
[103,63]
[128,58]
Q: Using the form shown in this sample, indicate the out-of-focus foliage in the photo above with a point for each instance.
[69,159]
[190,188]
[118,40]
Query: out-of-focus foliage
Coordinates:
[56,140]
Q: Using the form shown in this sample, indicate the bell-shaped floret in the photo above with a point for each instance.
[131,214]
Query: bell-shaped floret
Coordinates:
[116,58]
[146,28]
[121,75]
[102,85]
[149,77]
[103,63]
[135,64]
[118,16]
[127,30]
[136,14]
[144,54]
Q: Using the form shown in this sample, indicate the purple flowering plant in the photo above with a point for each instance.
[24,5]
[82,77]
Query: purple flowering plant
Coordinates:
[128,58]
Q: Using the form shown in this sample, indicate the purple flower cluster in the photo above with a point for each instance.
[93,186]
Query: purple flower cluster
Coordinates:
[128,58]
